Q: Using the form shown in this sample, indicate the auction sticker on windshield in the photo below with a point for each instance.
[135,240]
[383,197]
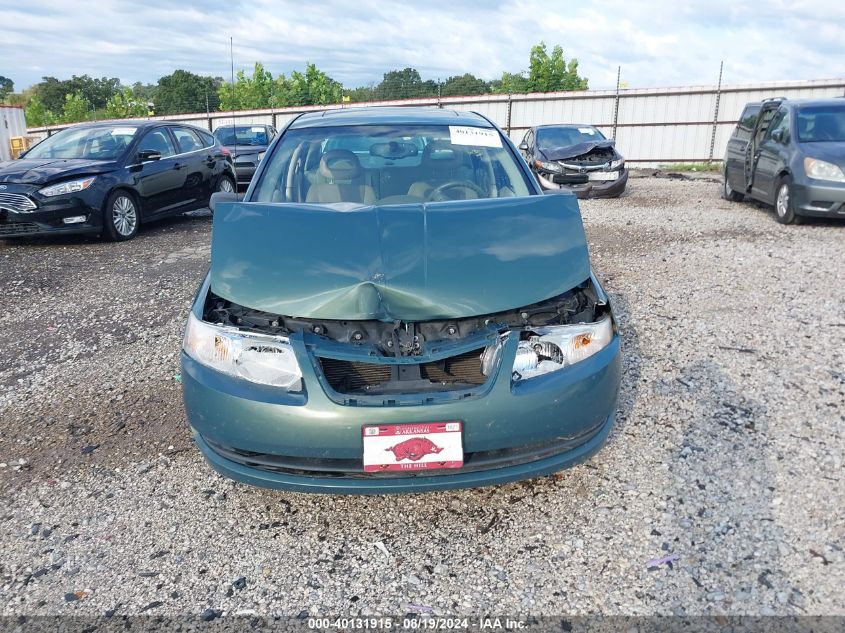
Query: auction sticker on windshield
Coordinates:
[409,447]
[478,136]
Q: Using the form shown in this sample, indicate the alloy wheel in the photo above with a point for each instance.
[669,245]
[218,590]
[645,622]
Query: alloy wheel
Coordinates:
[124,215]
[225,185]
[782,202]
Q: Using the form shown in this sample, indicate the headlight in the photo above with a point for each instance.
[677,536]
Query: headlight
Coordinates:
[540,164]
[261,358]
[71,186]
[617,164]
[823,170]
[551,348]
[260,156]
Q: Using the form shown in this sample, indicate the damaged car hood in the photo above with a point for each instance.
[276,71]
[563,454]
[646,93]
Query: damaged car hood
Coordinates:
[571,151]
[36,171]
[409,262]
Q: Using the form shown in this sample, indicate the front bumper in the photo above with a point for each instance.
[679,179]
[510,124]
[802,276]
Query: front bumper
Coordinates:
[588,189]
[48,218]
[819,200]
[311,443]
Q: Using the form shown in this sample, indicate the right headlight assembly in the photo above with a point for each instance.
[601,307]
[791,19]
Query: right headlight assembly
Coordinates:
[550,348]
[260,358]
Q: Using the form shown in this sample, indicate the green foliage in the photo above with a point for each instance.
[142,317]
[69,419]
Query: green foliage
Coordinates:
[97,92]
[404,84]
[546,73]
[183,91]
[76,108]
[466,84]
[7,87]
[550,73]
[510,83]
[125,105]
[261,90]
[37,115]
[705,167]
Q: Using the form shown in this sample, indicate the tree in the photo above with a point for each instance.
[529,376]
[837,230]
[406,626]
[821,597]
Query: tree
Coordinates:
[510,83]
[404,84]
[7,87]
[76,108]
[551,73]
[314,87]
[183,91]
[125,105]
[97,92]
[262,91]
[36,114]
[467,84]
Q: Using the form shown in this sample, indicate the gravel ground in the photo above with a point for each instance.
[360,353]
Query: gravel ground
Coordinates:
[727,455]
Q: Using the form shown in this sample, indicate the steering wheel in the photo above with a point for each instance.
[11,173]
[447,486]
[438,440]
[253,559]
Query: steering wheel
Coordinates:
[438,194]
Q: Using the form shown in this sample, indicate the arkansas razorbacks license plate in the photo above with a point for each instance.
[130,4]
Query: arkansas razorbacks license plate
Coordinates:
[409,447]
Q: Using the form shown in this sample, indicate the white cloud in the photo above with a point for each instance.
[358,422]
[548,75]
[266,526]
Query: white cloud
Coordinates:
[668,43]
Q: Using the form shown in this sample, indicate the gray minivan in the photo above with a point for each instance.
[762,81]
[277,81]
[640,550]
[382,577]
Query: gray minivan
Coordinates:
[790,154]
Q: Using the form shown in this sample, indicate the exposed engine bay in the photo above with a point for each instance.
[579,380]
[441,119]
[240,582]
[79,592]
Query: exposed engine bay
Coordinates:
[376,357]
[581,304]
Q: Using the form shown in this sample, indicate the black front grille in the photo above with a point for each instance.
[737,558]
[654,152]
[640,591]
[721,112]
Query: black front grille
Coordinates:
[18,228]
[354,377]
[473,461]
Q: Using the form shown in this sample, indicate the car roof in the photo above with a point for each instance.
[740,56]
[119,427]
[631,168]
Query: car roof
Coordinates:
[570,125]
[389,115]
[799,103]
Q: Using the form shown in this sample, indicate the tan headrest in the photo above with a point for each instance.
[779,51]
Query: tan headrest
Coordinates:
[340,164]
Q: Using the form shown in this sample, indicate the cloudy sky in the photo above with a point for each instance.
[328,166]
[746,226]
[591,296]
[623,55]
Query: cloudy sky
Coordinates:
[668,43]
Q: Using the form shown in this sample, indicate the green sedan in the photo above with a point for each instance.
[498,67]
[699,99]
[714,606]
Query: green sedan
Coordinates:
[395,306]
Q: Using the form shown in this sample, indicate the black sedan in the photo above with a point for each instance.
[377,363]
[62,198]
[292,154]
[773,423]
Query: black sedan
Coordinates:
[575,157]
[108,178]
[247,143]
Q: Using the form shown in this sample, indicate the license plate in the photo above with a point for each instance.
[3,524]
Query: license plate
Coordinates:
[412,447]
[603,175]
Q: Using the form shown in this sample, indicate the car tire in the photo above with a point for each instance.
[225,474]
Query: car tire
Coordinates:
[226,184]
[728,192]
[121,216]
[784,207]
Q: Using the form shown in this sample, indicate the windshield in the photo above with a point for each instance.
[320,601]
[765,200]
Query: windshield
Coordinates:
[564,136]
[390,164]
[821,123]
[242,135]
[99,143]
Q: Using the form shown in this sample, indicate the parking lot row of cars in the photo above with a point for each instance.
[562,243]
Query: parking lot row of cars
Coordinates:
[109,178]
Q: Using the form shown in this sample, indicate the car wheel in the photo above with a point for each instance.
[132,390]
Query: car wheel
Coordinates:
[728,192]
[784,205]
[226,184]
[121,217]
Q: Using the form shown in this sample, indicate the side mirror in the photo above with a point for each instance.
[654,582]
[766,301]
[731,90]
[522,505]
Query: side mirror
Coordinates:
[224,196]
[148,154]
[777,136]
[523,147]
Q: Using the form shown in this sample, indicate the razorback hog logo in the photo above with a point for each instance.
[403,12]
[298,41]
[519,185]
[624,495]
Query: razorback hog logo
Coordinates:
[414,449]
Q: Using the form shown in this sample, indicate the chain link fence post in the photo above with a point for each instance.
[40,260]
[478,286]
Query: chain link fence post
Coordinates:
[510,104]
[616,100]
[716,111]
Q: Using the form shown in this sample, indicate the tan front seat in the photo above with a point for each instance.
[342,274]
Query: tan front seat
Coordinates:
[441,162]
[340,167]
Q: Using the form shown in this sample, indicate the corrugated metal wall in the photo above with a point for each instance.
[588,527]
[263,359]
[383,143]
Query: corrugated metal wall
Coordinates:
[12,123]
[653,126]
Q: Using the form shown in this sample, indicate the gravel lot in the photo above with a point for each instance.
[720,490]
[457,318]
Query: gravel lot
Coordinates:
[728,451]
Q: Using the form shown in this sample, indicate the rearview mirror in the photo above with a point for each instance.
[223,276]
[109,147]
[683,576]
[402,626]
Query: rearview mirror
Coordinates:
[394,150]
[148,154]
[224,196]
[523,147]
[777,136]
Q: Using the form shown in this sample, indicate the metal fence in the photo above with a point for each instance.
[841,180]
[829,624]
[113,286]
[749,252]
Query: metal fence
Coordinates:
[652,126]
